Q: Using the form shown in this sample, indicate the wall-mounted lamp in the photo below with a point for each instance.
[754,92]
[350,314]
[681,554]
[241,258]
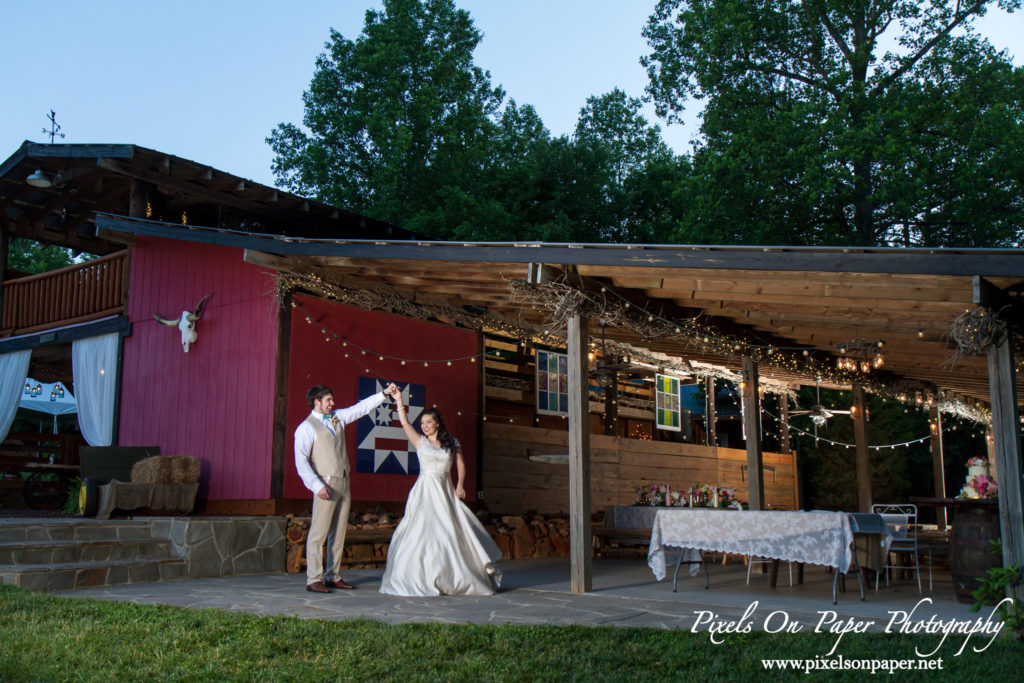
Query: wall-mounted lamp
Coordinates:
[39,179]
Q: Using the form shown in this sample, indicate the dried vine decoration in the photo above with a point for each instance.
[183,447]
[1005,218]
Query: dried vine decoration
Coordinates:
[963,410]
[560,300]
[391,301]
[972,332]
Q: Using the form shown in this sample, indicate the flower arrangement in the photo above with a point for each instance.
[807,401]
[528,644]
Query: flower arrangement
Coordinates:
[659,495]
[700,495]
[978,461]
[980,486]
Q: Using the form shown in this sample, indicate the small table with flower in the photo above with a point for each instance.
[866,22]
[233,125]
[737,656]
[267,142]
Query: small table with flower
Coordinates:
[818,537]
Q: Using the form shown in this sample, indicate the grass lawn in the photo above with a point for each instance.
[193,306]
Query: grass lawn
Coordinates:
[50,638]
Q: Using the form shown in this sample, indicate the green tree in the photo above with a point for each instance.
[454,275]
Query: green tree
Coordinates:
[811,137]
[630,169]
[29,256]
[400,120]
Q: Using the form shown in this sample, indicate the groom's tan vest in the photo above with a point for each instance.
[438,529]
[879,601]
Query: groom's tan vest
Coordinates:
[328,458]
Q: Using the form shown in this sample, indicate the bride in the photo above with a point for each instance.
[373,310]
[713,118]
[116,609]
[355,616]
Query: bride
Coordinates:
[439,547]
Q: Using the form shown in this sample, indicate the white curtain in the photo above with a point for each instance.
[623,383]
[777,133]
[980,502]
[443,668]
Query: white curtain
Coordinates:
[94,366]
[13,368]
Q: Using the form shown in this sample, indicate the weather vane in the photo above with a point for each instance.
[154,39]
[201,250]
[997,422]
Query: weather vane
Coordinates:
[54,127]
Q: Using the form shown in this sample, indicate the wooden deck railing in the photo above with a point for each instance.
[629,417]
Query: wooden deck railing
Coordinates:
[86,291]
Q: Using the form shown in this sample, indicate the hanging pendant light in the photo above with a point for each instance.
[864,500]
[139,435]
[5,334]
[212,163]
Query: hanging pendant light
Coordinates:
[39,179]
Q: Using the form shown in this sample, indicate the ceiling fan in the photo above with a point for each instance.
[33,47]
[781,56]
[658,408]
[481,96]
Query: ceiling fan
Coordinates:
[606,370]
[818,413]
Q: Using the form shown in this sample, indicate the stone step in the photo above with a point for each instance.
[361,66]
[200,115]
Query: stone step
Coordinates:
[70,575]
[50,552]
[14,530]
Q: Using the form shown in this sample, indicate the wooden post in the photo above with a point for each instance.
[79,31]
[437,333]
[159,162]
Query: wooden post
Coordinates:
[860,438]
[784,445]
[938,464]
[752,427]
[579,456]
[138,196]
[5,236]
[710,415]
[1006,442]
[279,431]
[611,410]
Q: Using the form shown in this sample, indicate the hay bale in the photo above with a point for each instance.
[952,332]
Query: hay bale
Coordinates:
[184,469]
[166,469]
[153,470]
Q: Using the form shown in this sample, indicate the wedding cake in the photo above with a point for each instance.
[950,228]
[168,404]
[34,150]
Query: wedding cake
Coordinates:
[979,483]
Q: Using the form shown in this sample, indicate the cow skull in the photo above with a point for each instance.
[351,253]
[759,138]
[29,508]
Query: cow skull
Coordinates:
[186,322]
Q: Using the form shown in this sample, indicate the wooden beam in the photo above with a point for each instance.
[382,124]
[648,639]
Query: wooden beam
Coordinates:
[579,457]
[752,428]
[1007,448]
[938,463]
[860,438]
[279,430]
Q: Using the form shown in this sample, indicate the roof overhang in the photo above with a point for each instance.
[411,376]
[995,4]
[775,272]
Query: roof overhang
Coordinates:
[798,309]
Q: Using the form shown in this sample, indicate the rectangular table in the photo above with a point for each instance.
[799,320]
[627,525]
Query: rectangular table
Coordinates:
[818,537]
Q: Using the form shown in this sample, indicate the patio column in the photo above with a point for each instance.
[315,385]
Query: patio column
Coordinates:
[1007,448]
[938,463]
[752,427]
[784,444]
[710,414]
[579,456]
[860,439]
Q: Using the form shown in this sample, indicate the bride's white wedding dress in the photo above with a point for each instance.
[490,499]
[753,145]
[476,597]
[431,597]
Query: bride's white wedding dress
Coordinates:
[439,547]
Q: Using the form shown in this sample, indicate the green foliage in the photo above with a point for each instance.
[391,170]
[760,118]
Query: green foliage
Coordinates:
[812,137]
[399,120]
[29,256]
[72,507]
[830,471]
[993,591]
[401,124]
[48,638]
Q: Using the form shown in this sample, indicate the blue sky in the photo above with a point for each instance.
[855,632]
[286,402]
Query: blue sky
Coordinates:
[208,81]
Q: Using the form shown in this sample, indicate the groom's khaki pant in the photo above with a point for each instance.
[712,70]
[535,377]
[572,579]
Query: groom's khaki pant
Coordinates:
[330,521]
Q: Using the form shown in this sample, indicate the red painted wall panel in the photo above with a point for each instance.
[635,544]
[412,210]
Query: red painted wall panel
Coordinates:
[216,401]
[315,359]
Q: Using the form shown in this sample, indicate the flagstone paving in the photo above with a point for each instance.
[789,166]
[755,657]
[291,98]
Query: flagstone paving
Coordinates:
[538,592]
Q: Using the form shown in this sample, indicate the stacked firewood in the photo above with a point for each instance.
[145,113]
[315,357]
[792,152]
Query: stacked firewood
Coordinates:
[369,535]
[531,535]
[366,539]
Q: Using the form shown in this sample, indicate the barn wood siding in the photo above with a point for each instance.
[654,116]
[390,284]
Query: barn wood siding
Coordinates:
[512,483]
[216,401]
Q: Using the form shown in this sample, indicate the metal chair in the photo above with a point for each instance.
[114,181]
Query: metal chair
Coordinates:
[901,520]
[754,559]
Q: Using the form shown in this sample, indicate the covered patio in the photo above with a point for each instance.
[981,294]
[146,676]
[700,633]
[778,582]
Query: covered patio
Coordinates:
[774,317]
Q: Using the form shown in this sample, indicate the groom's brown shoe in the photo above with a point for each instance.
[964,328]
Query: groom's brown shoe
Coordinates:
[318,587]
[340,583]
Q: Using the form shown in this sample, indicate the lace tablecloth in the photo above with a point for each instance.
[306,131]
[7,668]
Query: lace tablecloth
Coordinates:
[820,537]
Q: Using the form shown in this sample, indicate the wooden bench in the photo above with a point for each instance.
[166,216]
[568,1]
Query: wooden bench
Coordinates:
[632,542]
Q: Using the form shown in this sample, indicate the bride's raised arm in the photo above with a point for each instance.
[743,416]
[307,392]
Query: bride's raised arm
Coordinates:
[410,432]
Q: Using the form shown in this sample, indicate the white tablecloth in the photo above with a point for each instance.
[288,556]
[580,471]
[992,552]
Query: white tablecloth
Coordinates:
[824,538]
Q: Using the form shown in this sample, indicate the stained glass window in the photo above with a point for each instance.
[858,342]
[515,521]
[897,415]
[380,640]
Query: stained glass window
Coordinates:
[666,402]
[552,383]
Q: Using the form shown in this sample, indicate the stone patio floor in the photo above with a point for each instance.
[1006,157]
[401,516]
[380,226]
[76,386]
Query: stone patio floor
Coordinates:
[537,591]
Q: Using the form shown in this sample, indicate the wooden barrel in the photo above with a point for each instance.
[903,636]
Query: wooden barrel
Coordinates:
[970,551]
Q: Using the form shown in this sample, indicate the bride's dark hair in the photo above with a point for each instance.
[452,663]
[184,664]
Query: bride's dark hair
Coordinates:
[443,436]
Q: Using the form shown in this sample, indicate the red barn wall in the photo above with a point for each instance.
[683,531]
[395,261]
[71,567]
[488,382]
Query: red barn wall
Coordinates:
[216,401]
[318,357]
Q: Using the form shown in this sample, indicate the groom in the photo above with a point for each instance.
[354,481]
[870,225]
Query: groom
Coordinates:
[322,463]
